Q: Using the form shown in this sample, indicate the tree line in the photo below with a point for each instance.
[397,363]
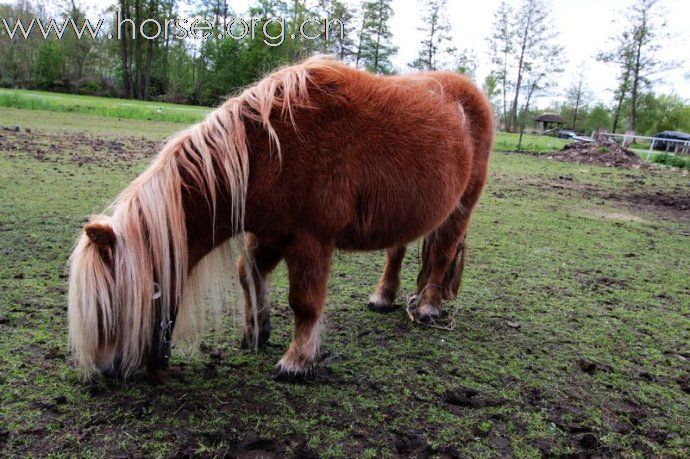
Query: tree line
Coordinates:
[526,55]
[527,60]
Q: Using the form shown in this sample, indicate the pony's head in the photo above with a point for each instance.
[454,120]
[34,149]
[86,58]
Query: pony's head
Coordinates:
[117,319]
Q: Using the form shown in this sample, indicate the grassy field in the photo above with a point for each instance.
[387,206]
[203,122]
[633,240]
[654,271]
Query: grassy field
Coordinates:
[507,141]
[571,335]
[118,108]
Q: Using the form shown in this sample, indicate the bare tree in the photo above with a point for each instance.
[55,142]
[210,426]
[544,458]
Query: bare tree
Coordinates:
[636,54]
[578,95]
[501,45]
[536,40]
[539,78]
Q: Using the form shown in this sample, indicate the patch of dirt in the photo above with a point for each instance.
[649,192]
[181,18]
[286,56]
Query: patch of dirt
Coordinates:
[673,203]
[468,398]
[679,201]
[606,153]
[75,147]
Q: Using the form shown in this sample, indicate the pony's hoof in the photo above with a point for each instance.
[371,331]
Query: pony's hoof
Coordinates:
[378,304]
[382,308]
[156,376]
[427,313]
[280,374]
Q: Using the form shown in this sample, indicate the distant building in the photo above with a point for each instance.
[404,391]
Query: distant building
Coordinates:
[548,121]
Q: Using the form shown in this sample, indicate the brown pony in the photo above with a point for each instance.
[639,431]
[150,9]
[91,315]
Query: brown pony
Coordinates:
[315,157]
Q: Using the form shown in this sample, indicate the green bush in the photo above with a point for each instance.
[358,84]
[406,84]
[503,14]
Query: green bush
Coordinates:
[672,160]
[48,65]
[91,87]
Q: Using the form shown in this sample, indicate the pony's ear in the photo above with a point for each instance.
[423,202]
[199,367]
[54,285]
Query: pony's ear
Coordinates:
[101,234]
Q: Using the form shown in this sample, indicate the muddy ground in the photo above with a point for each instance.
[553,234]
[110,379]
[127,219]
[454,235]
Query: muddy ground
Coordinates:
[606,153]
[76,147]
[570,336]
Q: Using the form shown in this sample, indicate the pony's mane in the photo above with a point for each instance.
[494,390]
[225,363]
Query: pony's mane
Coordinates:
[149,221]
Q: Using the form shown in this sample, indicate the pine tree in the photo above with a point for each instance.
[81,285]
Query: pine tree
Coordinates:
[467,63]
[376,47]
[342,45]
[436,43]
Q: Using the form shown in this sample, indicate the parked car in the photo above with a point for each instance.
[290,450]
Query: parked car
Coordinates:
[560,133]
[660,144]
[566,134]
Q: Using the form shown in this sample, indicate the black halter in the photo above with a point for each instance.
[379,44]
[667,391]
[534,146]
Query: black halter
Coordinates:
[162,333]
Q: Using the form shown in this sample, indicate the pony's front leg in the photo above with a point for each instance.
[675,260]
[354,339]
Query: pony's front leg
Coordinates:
[308,261]
[257,309]
[388,285]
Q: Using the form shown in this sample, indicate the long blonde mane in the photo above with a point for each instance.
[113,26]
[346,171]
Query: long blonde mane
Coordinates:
[149,222]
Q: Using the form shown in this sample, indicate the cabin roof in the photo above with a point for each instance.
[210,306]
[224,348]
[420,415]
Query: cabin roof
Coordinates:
[550,118]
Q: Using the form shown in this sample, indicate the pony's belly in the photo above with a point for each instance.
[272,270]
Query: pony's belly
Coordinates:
[394,227]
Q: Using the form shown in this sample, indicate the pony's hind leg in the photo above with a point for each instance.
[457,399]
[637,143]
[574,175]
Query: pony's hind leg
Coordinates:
[443,258]
[439,252]
[382,300]
[257,322]
[308,261]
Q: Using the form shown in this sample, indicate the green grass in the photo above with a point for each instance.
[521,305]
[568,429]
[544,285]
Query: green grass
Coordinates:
[102,106]
[101,126]
[573,325]
[507,141]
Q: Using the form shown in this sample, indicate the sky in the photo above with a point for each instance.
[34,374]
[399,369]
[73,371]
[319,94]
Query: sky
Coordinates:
[585,27]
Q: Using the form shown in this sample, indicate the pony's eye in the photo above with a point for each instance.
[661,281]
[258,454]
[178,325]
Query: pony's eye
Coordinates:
[156,291]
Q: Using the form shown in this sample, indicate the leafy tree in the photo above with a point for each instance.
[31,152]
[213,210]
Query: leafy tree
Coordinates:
[18,54]
[137,53]
[436,42]
[76,51]
[180,81]
[48,64]
[662,112]
[539,79]
[598,117]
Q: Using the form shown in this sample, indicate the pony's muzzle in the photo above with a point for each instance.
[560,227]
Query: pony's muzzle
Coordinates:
[112,369]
